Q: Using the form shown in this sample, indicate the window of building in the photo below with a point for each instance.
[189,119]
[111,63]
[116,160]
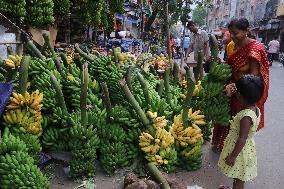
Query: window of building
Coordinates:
[226,2]
[242,13]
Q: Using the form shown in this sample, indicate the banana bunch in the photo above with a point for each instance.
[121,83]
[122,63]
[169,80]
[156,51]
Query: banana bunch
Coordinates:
[38,66]
[159,148]
[211,89]
[83,144]
[190,135]
[112,132]
[114,155]
[23,121]
[16,9]
[104,70]
[40,12]
[91,11]
[197,89]
[120,114]
[17,167]
[221,72]
[191,157]
[32,142]
[13,61]
[31,102]
[158,122]
[56,139]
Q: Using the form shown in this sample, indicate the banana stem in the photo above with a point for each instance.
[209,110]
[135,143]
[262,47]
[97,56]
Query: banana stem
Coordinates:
[60,98]
[35,50]
[83,54]
[176,73]
[23,74]
[167,85]
[47,42]
[64,59]
[197,74]
[214,46]
[134,103]
[157,176]
[144,88]
[10,50]
[128,77]
[106,99]
[161,87]
[59,67]
[6,133]
[83,97]
[186,105]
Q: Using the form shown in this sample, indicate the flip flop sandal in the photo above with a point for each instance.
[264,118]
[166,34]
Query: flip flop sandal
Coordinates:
[224,187]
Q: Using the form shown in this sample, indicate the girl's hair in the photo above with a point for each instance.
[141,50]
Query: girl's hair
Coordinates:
[241,24]
[251,88]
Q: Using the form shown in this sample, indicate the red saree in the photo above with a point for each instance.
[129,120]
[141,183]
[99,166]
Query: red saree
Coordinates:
[239,61]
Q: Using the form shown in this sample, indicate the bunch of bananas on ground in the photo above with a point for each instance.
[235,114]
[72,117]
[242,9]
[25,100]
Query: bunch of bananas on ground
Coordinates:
[32,142]
[13,61]
[191,156]
[16,9]
[221,72]
[62,8]
[17,167]
[159,147]
[56,138]
[185,136]
[84,145]
[40,12]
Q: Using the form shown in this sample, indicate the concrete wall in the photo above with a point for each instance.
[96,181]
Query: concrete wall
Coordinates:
[6,37]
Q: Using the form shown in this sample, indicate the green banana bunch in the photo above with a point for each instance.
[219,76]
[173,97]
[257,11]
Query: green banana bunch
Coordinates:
[40,12]
[16,9]
[211,89]
[112,132]
[17,167]
[91,11]
[38,66]
[55,139]
[104,70]
[114,155]
[32,142]
[191,157]
[221,72]
[83,145]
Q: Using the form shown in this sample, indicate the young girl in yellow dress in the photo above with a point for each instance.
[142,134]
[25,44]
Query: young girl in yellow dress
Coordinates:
[238,158]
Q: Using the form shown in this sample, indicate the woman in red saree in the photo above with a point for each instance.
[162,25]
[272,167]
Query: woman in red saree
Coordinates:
[246,56]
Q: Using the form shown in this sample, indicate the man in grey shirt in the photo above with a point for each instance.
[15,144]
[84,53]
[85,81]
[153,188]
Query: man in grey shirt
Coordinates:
[199,42]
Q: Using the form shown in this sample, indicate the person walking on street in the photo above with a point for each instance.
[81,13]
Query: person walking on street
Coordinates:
[178,44]
[238,158]
[273,50]
[199,42]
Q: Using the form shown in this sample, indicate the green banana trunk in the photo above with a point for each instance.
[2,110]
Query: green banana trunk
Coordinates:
[157,175]
[144,88]
[197,74]
[23,74]
[135,104]
[83,97]
[186,105]
[83,54]
[106,99]
[47,42]
[35,50]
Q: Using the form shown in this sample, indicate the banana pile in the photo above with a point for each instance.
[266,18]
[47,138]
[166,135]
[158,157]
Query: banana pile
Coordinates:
[84,145]
[185,136]
[17,167]
[144,59]
[198,87]
[13,8]
[125,58]
[159,146]
[90,12]
[23,113]
[40,13]
[13,61]
[115,150]
[213,102]
[103,70]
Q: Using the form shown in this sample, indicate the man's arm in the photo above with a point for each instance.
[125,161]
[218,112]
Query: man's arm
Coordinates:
[206,45]
[189,50]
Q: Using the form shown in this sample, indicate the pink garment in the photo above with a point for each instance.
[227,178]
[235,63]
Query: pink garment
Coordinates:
[274,46]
